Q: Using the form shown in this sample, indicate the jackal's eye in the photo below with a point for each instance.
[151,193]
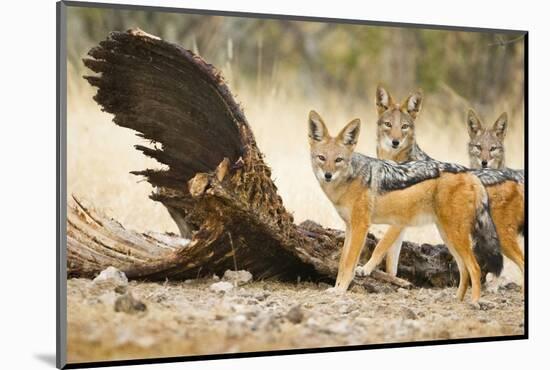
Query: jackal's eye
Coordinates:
[339,159]
[405,126]
[321,157]
[387,124]
[493,148]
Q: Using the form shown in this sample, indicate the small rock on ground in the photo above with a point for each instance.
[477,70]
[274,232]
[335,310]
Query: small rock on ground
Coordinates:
[295,315]
[221,287]
[127,303]
[111,277]
[238,277]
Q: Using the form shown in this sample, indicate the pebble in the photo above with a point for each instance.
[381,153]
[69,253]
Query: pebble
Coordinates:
[295,314]
[111,277]
[512,286]
[486,305]
[221,287]
[127,303]
[238,277]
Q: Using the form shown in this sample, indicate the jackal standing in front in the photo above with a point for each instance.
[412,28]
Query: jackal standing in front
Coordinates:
[366,190]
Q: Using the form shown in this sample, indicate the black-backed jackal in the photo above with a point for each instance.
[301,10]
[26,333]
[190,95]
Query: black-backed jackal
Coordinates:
[367,190]
[397,141]
[486,146]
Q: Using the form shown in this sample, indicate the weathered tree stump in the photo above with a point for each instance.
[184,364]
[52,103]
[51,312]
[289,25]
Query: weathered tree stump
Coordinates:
[216,186]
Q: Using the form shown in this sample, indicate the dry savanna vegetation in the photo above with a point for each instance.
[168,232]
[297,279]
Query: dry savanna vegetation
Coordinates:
[279,70]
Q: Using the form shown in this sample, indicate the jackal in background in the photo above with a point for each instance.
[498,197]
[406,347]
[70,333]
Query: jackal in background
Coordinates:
[366,190]
[397,141]
[486,146]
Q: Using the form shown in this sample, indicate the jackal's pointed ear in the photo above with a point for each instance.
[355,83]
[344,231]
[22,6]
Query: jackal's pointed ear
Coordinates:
[317,129]
[350,134]
[500,126]
[474,123]
[383,99]
[413,104]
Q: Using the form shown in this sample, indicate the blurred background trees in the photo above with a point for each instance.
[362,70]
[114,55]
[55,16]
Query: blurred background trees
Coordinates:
[272,56]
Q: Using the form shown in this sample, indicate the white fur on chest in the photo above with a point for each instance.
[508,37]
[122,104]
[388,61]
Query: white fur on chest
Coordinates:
[344,212]
[334,192]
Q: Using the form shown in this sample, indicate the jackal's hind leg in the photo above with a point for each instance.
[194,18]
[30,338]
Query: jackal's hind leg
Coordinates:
[463,247]
[511,249]
[474,271]
[464,279]
[462,269]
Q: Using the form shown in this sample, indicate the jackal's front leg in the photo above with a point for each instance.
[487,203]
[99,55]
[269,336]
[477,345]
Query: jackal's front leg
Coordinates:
[356,233]
[392,239]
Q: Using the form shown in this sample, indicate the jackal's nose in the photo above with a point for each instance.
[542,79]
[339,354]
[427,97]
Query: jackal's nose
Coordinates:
[328,176]
[484,164]
[395,143]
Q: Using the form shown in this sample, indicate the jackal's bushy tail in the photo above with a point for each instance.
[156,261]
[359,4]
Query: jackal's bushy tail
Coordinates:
[485,239]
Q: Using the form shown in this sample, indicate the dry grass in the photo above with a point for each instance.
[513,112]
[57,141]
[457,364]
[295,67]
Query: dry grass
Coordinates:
[101,155]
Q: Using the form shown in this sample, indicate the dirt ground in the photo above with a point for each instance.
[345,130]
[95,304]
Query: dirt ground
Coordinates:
[188,318]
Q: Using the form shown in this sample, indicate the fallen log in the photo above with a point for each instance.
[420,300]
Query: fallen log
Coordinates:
[216,186]
[96,241]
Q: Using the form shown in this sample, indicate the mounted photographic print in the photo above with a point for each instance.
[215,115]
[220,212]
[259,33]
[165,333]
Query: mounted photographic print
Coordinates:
[235,184]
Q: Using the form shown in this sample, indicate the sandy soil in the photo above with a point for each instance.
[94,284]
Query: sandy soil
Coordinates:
[185,318]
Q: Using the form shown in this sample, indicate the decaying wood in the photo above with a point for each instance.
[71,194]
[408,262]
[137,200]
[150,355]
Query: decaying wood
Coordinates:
[216,185]
[96,241]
